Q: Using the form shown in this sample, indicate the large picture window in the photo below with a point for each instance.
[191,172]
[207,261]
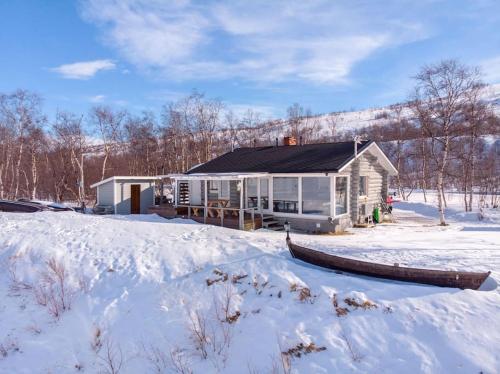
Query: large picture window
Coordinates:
[316,195]
[341,195]
[286,194]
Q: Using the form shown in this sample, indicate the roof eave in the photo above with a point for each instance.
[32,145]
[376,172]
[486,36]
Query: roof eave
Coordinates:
[391,169]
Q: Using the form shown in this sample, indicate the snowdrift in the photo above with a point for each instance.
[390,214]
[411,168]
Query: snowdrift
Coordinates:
[143,294]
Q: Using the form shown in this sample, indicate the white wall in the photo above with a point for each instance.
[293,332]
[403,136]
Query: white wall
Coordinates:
[122,195]
[105,194]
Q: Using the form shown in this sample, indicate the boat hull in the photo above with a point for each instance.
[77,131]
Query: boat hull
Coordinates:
[441,278]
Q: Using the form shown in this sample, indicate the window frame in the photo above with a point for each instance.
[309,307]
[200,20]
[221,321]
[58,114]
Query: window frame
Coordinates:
[301,181]
[348,195]
[220,194]
[365,186]
[299,194]
[257,192]
[333,179]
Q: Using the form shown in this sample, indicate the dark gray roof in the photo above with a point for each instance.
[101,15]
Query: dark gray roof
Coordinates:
[309,158]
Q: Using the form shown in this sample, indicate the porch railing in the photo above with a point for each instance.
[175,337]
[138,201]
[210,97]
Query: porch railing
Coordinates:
[222,213]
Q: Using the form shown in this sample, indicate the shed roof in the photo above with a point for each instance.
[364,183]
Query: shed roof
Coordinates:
[125,178]
[309,158]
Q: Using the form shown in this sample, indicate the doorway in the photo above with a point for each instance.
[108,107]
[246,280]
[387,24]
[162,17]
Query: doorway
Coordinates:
[135,198]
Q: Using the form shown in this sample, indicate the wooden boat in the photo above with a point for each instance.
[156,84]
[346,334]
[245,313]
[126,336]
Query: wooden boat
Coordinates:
[31,206]
[19,207]
[441,278]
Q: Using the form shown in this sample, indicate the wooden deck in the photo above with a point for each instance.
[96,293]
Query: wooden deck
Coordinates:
[163,210]
[217,216]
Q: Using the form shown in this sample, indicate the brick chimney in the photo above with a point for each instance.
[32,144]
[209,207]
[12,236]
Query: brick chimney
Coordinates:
[289,140]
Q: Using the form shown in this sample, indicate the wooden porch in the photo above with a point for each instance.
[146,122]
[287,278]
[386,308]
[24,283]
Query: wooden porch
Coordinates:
[235,218]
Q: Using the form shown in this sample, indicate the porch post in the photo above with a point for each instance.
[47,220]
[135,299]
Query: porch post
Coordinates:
[205,212]
[241,215]
[175,192]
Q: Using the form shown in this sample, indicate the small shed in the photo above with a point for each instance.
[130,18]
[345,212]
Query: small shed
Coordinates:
[125,195]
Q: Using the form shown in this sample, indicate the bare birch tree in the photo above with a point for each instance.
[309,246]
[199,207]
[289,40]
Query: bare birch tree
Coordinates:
[19,111]
[108,126]
[69,132]
[441,93]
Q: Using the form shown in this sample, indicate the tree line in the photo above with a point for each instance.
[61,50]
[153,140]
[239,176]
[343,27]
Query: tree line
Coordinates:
[443,137]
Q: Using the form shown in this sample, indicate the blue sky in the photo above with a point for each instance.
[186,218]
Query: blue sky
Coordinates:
[264,55]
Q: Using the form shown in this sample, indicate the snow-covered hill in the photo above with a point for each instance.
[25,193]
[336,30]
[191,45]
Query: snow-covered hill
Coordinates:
[150,294]
[353,120]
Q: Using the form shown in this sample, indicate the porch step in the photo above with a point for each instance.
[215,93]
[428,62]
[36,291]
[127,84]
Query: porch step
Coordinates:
[269,223]
[275,228]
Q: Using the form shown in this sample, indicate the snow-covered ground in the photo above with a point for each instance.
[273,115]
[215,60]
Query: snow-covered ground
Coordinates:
[137,291]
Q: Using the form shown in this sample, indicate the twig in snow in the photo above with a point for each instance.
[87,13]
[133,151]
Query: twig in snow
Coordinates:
[355,355]
[112,358]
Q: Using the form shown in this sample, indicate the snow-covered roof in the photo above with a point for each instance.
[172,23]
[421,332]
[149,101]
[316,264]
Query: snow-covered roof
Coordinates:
[128,177]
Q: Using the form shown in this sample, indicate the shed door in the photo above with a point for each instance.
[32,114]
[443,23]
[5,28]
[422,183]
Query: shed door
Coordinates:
[135,198]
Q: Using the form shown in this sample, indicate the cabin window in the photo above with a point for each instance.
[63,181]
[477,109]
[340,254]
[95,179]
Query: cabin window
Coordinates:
[218,189]
[252,195]
[264,193]
[363,185]
[316,195]
[286,194]
[340,195]
[224,190]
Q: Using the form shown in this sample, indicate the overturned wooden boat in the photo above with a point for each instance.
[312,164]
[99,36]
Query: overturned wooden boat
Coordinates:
[441,278]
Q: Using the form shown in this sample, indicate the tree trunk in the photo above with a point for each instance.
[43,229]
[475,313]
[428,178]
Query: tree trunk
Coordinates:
[442,220]
[34,175]
[440,183]
[18,167]
[444,197]
[104,161]
[472,169]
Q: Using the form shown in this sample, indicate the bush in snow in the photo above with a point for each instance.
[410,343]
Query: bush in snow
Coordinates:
[161,361]
[111,357]
[16,284]
[304,293]
[211,337]
[8,346]
[210,331]
[356,356]
[224,306]
[50,287]
[53,290]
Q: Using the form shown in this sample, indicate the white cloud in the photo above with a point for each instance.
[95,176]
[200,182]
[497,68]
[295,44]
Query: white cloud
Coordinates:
[491,69]
[318,41]
[84,69]
[166,95]
[97,98]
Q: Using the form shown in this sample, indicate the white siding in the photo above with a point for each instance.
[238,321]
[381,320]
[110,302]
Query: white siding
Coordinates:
[122,195]
[105,194]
